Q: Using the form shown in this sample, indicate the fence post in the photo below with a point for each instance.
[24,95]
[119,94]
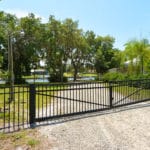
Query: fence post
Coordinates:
[110,95]
[32,105]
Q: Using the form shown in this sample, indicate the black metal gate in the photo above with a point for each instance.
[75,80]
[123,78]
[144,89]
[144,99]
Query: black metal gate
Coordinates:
[59,100]
[130,92]
[35,103]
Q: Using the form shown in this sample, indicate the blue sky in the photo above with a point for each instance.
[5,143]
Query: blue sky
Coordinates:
[122,19]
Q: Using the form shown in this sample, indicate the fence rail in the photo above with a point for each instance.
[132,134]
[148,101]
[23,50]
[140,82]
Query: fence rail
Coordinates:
[35,103]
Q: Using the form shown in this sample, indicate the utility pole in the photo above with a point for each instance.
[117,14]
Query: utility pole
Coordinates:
[10,69]
[11,65]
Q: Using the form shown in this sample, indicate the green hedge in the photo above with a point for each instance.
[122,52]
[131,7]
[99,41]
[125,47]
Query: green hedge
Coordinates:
[115,76]
[56,78]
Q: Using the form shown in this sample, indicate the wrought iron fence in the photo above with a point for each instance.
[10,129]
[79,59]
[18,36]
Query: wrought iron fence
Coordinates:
[35,103]
[130,92]
[14,114]
[69,99]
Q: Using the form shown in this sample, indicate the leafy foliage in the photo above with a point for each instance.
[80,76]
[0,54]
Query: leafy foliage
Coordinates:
[113,76]
[137,53]
[62,44]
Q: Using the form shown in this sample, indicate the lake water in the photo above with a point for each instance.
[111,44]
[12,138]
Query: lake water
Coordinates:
[45,80]
[82,79]
[2,81]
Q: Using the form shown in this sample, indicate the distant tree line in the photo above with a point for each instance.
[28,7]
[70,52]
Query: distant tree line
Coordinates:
[59,42]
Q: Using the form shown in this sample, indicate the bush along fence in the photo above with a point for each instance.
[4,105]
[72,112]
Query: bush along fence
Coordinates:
[29,104]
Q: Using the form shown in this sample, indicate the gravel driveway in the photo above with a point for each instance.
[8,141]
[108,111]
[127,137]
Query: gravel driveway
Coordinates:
[118,129]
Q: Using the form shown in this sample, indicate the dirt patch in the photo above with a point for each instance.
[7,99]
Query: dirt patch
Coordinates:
[29,139]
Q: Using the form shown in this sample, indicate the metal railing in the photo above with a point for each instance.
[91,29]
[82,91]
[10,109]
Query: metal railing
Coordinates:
[69,99]
[130,92]
[14,115]
[35,103]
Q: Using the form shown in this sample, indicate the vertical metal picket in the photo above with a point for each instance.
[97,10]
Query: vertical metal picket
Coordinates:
[32,105]
[110,95]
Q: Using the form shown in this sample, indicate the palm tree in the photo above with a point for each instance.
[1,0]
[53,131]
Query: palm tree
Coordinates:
[138,53]
[142,48]
[129,55]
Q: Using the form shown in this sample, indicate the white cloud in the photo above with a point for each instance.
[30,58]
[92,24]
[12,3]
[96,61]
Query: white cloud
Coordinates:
[17,12]
[21,13]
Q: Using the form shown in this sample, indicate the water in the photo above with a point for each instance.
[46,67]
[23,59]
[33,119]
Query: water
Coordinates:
[82,79]
[45,80]
[2,81]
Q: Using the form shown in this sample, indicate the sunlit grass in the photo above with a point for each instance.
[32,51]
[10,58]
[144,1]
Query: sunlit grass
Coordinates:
[70,74]
[133,92]
[18,109]
[88,75]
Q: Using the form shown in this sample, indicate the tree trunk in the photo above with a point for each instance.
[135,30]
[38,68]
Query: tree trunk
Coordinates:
[75,73]
[142,65]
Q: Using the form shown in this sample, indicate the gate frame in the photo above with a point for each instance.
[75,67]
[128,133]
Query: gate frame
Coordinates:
[32,105]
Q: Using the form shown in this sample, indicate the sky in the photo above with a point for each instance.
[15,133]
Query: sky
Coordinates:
[122,19]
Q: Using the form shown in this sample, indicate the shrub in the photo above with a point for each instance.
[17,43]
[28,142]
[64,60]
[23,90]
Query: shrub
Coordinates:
[57,78]
[113,76]
[137,77]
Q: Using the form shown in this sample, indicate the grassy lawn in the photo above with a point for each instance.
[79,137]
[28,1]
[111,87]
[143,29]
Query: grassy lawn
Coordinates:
[69,74]
[18,110]
[32,76]
[88,74]
[135,93]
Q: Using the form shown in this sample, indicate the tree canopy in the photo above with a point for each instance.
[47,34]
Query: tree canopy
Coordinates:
[63,43]
[137,53]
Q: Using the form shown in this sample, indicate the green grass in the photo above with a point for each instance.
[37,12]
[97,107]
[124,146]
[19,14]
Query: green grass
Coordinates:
[33,142]
[69,74]
[32,76]
[17,109]
[135,93]
[88,74]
